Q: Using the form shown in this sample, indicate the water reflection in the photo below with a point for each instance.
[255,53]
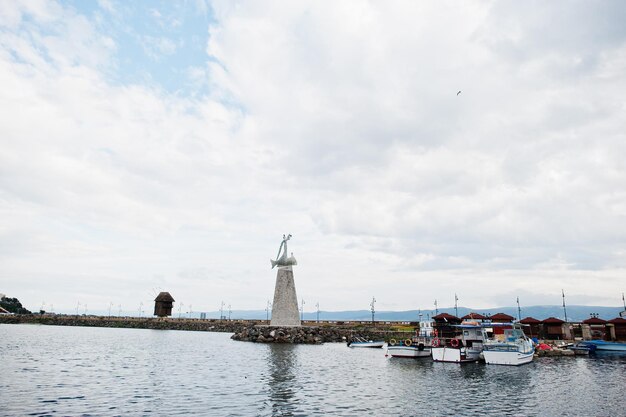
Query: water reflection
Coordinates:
[282,362]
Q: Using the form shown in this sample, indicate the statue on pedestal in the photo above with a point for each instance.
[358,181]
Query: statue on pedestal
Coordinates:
[283,260]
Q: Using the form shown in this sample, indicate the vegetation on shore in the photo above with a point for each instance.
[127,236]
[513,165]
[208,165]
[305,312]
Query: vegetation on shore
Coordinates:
[13,305]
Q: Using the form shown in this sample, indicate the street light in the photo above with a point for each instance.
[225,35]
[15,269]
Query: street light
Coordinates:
[373,311]
[302,310]
[317,305]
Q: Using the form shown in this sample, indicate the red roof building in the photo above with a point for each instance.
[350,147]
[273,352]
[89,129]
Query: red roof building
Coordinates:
[445,317]
[502,318]
[553,328]
[530,320]
[532,326]
[619,328]
[595,321]
[474,316]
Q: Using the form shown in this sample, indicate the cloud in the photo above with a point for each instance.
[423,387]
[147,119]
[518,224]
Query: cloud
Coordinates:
[340,125]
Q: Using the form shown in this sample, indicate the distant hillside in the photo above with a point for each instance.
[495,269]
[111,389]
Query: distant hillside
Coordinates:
[574,313]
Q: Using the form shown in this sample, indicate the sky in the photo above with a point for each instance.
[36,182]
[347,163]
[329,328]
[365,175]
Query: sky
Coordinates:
[154,146]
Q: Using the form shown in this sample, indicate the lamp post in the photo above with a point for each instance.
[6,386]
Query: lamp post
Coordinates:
[564,309]
[302,310]
[373,310]
[436,310]
[317,305]
[267,311]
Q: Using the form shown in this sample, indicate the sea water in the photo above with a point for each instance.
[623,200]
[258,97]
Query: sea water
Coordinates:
[85,371]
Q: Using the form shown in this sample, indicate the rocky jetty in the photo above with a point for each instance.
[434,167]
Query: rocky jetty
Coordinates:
[303,335]
[127,322]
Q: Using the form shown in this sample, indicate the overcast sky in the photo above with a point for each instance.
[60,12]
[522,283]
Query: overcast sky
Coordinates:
[151,146]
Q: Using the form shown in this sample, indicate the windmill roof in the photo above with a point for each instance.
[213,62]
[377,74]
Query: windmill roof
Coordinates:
[164,296]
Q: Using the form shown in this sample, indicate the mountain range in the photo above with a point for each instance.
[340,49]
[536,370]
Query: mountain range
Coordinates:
[575,313]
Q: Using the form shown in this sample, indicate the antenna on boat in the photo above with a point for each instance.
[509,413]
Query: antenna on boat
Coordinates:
[564,309]
[519,311]
[624,301]
[456,310]
[436,310]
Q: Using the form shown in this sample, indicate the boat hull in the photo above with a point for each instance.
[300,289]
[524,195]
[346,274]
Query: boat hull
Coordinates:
[606,346]
[408,352]
[514,358]
[457,355]
[367,345]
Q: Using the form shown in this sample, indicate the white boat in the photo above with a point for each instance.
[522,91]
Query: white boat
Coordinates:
[464,347]
[515,348]
[415,347]
[361,343]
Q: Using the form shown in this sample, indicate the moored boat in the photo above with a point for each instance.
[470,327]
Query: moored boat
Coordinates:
[415,347]
[600,345]
[465,346]
[361,343]
[514,348]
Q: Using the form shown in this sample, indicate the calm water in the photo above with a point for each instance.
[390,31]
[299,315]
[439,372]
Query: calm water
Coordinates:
[47,370]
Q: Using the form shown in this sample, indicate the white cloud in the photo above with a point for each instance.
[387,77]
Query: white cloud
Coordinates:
[340,125]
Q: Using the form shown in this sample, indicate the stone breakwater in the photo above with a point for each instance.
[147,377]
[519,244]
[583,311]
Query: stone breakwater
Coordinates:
[305,334]
[243,330]
[127,322]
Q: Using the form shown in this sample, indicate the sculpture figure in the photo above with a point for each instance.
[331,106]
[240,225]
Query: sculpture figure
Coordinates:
[283,260]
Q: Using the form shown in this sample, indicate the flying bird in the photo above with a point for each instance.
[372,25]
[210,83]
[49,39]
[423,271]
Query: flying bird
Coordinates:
[458,92]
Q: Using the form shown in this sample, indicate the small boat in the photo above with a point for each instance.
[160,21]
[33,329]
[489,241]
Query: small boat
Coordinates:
[581,349]
[601,345]
[362,343]
[466,346]
[514,349]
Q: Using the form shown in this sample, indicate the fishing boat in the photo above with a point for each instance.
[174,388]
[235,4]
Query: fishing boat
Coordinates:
[602,345]
[415,347]
[362,343]
[418,346]
[465,346]
[513,348]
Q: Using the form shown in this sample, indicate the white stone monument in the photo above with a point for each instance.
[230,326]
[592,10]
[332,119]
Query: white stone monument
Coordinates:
[285,306]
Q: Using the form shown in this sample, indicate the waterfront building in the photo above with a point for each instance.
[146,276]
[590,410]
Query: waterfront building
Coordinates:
[532,326]
[501,318]
[597,328]
[552,328]
[444,323]
[617,329]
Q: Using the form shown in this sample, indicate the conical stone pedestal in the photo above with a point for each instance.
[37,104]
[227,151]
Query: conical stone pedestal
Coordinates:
[285,307]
